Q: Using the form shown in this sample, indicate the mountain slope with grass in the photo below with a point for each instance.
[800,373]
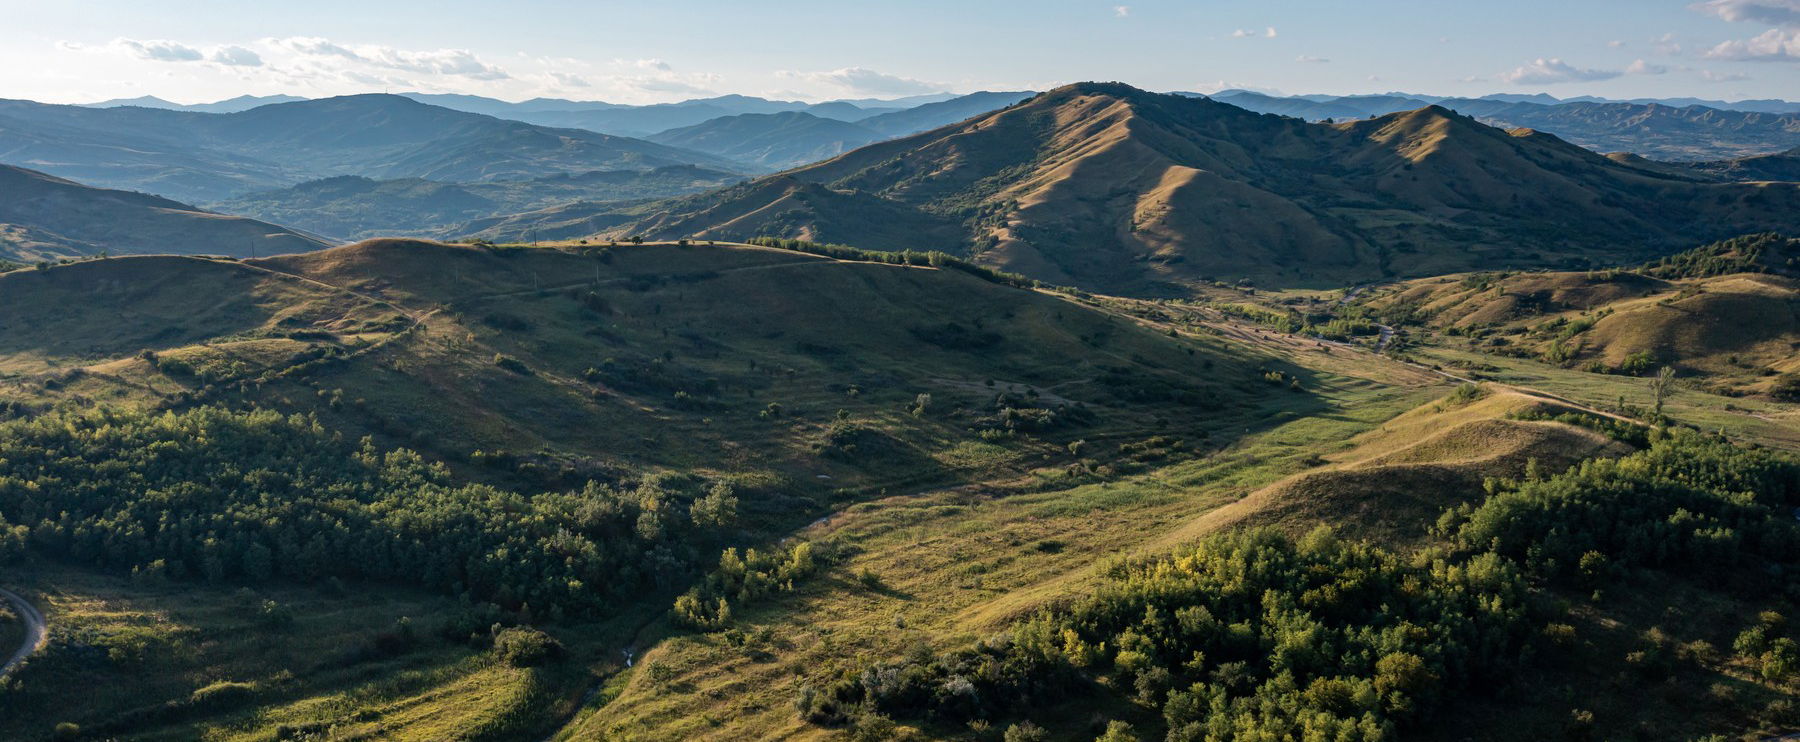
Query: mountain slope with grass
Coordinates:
[43,217]
[1109,187]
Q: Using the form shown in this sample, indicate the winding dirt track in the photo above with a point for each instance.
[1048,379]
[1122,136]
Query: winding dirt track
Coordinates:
[35,631]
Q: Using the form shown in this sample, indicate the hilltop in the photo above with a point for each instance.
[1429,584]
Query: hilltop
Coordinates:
[1109,187]
[43,217]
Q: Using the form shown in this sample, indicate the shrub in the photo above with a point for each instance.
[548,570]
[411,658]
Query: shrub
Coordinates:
[522,646]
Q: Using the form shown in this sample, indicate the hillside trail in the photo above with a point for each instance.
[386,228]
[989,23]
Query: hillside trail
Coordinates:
[37,633]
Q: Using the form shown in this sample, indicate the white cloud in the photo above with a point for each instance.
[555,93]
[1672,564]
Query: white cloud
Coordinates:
[1305,59]
[449,62]
[567,80]
[1551,71]
[864,81]
[234,56]
[1711,76]
[1121,11]
[1772,12]
[1241,34]
[158,50]
[1270,33]
[1773,45]
[1641,67]
[1615,43]
[1666,45]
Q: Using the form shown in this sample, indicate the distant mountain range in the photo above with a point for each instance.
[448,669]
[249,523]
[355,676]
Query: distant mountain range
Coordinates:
[1110,187]
[43,217]
[210,157]
[1668,130]
[775,141]
[353,207]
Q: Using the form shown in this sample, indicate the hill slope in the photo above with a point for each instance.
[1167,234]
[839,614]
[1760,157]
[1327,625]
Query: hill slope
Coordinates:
[728,357]
[1106,186]
[43,217]
[774,141]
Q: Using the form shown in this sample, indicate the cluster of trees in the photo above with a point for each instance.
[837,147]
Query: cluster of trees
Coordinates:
[747,578]
[255,496]
[1690,502]
[1754,253]
[1254,636]
[1244,636]
[1340,328]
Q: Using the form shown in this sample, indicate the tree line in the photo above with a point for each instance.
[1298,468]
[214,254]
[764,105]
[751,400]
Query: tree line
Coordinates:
[255,496]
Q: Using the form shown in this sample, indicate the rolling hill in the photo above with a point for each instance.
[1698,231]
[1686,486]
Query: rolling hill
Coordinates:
[774,141]
[212,157]
[1109,187]
[43,217]
[646,356]
[355,207]
[1727,314]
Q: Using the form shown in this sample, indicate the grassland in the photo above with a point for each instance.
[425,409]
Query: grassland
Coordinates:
[954,565]
[747,364]
[183,661]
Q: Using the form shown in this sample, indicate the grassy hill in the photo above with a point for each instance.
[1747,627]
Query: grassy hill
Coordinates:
[1728,312]
[643,356]
[356,207]
[1109,187]
[48,218]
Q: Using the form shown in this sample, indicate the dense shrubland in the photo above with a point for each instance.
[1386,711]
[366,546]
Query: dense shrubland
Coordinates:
[1252,635]
[256,496]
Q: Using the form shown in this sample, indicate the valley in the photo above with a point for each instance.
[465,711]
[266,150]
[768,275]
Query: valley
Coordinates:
[977,372]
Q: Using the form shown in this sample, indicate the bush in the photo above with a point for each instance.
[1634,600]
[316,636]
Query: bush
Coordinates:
[523,646]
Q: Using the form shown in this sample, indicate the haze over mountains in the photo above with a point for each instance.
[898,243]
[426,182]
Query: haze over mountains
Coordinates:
[203,157]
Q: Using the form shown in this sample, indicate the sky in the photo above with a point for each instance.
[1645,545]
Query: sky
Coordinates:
[649,51]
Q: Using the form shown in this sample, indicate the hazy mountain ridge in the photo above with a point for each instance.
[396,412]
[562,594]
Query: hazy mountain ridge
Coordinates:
[355,207]
[380,136]
[1655,129]
[773,140]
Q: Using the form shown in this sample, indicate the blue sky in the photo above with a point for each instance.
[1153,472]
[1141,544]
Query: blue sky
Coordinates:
[640,52]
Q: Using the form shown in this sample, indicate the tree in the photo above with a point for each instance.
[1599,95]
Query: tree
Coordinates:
[1660,387]
[1117,731]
